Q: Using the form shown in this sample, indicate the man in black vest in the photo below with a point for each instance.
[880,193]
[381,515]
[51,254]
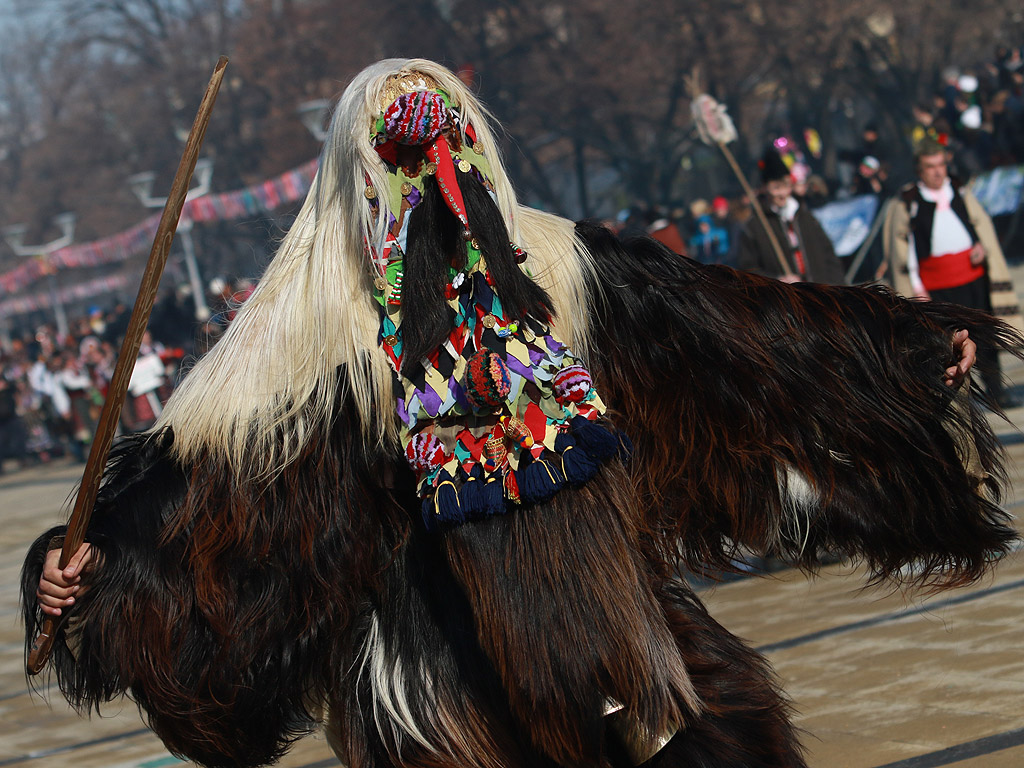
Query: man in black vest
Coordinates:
[941,245]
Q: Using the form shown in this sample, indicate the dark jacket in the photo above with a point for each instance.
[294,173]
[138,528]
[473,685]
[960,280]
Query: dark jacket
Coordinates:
[757,255]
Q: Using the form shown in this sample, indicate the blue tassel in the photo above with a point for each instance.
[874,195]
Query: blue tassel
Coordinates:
[493,496]
[446,508]
[578,465]
[538,481]
[596,441]
[471,496]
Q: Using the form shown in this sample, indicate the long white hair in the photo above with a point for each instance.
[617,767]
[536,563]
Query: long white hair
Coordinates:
[271,383]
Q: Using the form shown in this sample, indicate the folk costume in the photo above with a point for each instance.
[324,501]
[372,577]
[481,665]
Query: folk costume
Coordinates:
[435,482]
[928,236]
[806,247]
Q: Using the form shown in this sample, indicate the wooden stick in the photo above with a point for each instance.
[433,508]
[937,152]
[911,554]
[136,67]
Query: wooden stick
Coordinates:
[757,210]
[111,414]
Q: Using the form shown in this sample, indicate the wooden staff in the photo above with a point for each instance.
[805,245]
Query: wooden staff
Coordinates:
[716,127]
[111,414]
[776,247]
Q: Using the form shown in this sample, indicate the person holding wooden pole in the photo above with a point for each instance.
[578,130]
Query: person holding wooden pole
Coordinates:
[808,253]
[434,486]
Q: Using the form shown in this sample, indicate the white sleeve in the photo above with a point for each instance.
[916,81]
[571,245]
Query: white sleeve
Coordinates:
[915,275]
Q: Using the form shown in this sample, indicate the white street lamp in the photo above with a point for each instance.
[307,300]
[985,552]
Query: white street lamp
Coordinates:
[315,115]
[15,237]
[142,186]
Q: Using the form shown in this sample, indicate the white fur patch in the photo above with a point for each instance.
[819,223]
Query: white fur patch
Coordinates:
[799,498]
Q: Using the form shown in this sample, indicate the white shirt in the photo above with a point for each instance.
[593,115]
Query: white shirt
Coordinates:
[949,235]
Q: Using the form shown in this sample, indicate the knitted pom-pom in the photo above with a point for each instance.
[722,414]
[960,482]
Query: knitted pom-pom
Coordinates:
[571,383]
[487,380]
[425,452]
[415,118]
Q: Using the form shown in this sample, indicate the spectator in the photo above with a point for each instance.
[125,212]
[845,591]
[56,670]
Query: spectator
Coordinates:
[940,244]
[710,244]
[724,220]
[807,251]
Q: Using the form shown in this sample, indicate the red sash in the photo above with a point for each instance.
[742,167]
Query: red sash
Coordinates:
[949,271]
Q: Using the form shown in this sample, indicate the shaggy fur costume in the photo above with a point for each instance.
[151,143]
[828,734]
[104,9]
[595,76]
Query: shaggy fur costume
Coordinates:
[267,562]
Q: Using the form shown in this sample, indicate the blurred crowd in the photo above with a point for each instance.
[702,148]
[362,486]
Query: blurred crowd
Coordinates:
[978,115]
[52,386]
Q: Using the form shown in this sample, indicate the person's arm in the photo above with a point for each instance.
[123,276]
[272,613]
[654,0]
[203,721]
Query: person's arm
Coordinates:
[914,271]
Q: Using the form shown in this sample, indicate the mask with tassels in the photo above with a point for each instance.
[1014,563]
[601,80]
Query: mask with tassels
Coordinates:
[496,412]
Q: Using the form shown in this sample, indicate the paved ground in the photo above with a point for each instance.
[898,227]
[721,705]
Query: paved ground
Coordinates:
[878,680]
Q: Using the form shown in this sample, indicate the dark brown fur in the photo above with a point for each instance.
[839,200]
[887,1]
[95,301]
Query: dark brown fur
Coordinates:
[726,378]
[232,608]
[563,609]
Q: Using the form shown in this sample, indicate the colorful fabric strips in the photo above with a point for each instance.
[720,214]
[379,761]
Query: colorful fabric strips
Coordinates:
[500,415]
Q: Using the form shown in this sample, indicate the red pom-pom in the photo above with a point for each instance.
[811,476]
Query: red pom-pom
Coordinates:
[425,452]
[572,383]
[415,118]
[487,380]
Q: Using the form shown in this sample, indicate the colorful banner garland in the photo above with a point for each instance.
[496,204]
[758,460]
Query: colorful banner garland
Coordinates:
[98,287]
[998,190]
[259,198]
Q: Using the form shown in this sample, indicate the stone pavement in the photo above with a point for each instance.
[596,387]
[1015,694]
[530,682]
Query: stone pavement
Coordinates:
[878,680]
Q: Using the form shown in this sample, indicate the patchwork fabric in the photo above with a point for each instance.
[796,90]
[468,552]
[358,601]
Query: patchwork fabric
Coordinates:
[501,414]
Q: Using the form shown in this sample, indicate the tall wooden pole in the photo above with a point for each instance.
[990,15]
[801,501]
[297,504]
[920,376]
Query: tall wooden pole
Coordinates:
[111,413]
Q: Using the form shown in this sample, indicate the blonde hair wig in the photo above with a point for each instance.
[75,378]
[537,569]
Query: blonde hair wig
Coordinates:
[272,381]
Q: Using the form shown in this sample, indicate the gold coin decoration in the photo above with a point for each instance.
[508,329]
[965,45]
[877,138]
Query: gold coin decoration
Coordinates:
[405,81]
[431,169]
[464,166]
[488,321]
[380,283]
[391,340]
[406,188]
[370,192]
[478,146]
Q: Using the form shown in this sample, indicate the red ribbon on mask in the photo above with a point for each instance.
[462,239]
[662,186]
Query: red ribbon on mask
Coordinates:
[419,119]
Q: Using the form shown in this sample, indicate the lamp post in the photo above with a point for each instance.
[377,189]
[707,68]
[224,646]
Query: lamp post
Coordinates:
[142,186]
[314,115]
[15,237]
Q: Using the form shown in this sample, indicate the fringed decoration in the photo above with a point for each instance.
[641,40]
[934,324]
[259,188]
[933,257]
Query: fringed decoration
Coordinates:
[495,488]
[493,497]
[577,464]
[511,487]
[539,481]
[447,507]
[595,440]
